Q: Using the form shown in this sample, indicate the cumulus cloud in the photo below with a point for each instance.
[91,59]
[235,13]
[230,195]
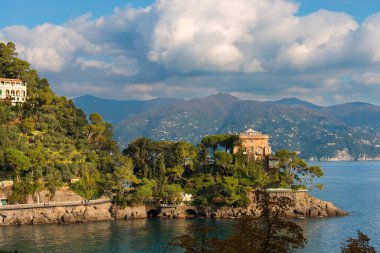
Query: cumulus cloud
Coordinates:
[47,46]
[254,48]
[368,78]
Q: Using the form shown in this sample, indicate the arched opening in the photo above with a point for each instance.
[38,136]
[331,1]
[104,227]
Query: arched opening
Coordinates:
[23,93]
[12,92]
[17,93]
[191,213]
[152,213]
[7,92]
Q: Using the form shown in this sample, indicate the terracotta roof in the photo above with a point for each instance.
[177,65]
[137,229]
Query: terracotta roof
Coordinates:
[251,132]
[11,80]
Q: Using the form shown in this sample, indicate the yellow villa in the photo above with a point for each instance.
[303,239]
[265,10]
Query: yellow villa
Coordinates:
[254,144]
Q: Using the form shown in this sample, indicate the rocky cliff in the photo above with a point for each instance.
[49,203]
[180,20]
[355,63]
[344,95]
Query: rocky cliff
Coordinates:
[305,205]
[56,215]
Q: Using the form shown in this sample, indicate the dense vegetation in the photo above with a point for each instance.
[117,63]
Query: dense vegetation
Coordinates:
[210,172]
[318,132]
[46,142]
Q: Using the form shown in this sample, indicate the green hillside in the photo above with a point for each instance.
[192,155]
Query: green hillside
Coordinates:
[318,132]
[47,141]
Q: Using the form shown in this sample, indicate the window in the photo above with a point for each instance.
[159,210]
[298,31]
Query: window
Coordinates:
[1,92]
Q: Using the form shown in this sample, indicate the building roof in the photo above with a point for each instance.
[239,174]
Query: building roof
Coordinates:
[250,132]
[11,80]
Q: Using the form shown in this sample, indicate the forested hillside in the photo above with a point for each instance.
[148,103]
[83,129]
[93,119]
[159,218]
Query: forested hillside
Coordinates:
[351,130]
[47,141]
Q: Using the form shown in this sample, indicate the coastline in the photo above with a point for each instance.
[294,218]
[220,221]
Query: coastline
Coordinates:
[305,206]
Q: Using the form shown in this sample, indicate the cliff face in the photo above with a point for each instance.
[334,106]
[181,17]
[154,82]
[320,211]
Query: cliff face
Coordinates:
[305,205]
[56,215]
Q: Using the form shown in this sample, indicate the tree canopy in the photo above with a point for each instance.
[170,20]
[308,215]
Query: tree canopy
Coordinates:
[47,142]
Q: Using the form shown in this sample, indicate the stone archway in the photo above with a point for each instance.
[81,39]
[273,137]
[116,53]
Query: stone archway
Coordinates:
[152,213]
[191,213]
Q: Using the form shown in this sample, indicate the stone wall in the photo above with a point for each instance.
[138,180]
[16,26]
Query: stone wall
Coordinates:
[305,205]
[56,215]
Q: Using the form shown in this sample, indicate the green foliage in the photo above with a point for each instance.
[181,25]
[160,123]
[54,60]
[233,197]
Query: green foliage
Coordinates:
[47,141]
[142,192]
[224,161]
[171,193]
[298,187]
[222,140]
[16,160]
[296,169]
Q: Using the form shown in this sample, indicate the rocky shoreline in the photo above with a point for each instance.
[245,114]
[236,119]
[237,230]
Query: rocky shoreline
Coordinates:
[305,206]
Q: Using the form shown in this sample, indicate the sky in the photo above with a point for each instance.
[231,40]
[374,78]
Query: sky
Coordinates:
[322,51]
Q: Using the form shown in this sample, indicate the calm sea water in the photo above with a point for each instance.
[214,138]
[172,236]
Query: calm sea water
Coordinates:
[352,186]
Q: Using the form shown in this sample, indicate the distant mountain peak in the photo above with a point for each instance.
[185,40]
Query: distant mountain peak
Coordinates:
[293,101]
[222,96]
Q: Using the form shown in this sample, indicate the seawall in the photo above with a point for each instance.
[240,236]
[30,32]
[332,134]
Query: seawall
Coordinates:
[305,205]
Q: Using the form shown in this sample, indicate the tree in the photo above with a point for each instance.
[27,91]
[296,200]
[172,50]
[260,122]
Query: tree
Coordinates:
[184,153]
[17,160]
[195,240]
[297,169]
[142,192]
[162,170]
[357,245]
[28,125]
[171,193]
[140,150]
[269,232]
[224,161]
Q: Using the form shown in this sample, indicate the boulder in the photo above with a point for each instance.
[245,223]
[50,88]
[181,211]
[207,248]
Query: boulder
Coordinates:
[68,218]
[313,212]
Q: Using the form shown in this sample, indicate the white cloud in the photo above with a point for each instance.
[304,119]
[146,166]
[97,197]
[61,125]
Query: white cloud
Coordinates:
[122,66]
[368,78]
[260,48]
[47,46]
[368,37]
[216,35]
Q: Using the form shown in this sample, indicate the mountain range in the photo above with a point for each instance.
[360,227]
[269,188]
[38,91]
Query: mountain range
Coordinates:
[341,132]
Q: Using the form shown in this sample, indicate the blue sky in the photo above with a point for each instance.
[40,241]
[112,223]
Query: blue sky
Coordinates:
[32,13]
[322,51]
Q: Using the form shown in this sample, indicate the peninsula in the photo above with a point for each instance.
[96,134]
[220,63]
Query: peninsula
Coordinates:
[56,167]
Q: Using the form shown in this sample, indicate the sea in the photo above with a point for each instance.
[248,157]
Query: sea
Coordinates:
[351,186]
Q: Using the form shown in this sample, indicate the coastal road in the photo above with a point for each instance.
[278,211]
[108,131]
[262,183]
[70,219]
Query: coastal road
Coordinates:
[55,204]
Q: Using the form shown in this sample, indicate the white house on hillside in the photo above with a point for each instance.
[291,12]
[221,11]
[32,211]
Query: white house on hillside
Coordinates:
[13,89]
